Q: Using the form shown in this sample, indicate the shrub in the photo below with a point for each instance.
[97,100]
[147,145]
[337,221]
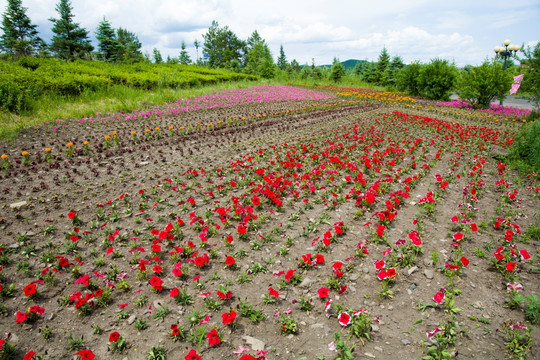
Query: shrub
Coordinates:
[482,84]
[436,79]
[407,79]
[526,146]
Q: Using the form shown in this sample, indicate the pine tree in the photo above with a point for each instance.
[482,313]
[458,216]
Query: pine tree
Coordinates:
[69,40]
[158,59]
[184,56]
[19,35]
[129,46]
[382,64]
[338,71]
[282,59]
[107,42]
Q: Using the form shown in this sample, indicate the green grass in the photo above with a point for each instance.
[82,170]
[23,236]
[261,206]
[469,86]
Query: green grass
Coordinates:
[114,99]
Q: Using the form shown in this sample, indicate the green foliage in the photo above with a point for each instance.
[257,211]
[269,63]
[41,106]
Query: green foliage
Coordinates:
[526,147]
[282,59]
[222,46]
[107,44]
[482,84]
[19,36]
[407,79]
[532,309]
[531,81]
[22,82]
[69,40]
[337,72]
[436,79]
[382,65]
[259,60]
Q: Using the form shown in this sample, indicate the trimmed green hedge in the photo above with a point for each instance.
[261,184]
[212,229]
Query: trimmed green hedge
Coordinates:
[30,78]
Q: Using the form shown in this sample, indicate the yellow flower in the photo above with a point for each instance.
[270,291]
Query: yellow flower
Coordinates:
[157,129]
[114,133]
[133,132]
[107,137]
[147,130]
[86,143]
[48,150]
[69,144]
[4,156]
[171,127]
[24,153]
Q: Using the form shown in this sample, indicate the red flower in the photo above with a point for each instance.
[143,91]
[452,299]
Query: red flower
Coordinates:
[380,264]
[382,274]
[156,248]
[474,227]
[273,292]
[391,272]
[289,274]
[319,259]
[344,319]
[213,338]
[228,318]
[247,357]
[30,290]
[114,336]
[174,292]
[510,266]
[175,331]
[29,355]
[438,297]
[72,215]
[21,317]
[464,261]
[86,354]
[192,355]
[323,292]
[156,283]
[242,229]
[458,236]
[230,261]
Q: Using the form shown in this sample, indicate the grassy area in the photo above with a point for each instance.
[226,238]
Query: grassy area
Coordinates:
[114,99]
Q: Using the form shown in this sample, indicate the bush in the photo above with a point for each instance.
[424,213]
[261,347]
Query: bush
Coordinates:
[480,85]
[526,147]
[436,79]
[13,98]
[407,79]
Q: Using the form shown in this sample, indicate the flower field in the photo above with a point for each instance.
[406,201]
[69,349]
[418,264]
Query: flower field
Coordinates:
[274,222]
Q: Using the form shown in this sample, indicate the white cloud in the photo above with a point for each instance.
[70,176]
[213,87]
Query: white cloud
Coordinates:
[463,30]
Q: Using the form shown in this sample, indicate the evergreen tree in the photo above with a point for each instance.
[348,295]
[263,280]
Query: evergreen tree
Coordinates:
[295,65]
[197,44]
[282,59]
[107,42]
[129,46]
[337,71]
[69,40]
[158,59]
[253,39]
[359,68]
[223,48]
[259,60]
[382,64]
[184,56]
[392,70]
[19,35]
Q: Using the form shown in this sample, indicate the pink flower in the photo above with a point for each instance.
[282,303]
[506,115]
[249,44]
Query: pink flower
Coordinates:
[328,305]
[344,319]
[514,286]
[433,332]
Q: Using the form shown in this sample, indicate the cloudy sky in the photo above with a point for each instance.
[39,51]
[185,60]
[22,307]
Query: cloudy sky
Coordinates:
[460,31]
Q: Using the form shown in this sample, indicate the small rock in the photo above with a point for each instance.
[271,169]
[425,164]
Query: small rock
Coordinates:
[355,276]
[429,273]
[411,270]
[378,348]
[390,308]
[375,328]
[317,326]
[365,270]
[256,344]
[406,342]
[412,287]
[369,355]
[428,262]
[18,204]
[473,285]
[131,319]
[305,283]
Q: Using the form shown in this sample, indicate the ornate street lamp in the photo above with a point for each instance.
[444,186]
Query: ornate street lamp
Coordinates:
[505,52]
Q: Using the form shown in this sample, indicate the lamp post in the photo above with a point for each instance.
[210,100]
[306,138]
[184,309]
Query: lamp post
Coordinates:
[505,52]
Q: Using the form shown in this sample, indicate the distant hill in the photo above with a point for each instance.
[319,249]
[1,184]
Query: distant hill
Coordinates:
[347,64]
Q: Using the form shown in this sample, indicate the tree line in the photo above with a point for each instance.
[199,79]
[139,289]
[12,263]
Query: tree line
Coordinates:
[223,49]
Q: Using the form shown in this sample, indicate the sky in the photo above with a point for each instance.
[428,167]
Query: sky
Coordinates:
[463,32]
